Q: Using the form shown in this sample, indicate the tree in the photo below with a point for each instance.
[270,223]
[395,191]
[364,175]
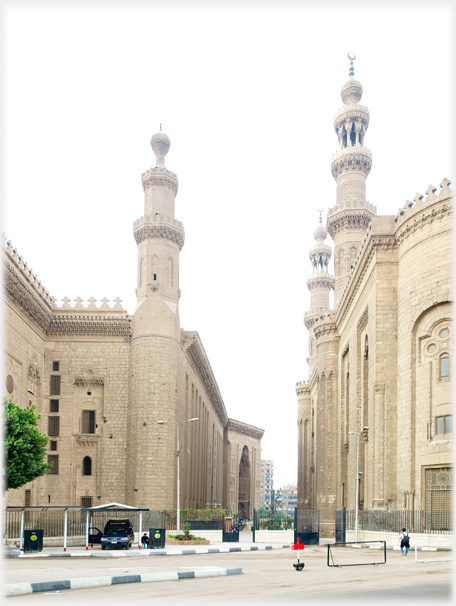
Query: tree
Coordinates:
[25,446]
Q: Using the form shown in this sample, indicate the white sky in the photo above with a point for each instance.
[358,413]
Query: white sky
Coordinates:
[247,97]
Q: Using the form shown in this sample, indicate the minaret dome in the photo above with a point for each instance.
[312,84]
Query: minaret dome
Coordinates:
[160,145]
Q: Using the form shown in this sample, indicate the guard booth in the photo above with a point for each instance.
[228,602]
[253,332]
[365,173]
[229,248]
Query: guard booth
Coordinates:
[307,526]
[33,540]
[230,530]
[341,525]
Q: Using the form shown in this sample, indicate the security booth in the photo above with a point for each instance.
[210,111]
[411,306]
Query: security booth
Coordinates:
[97,517]
[33,540]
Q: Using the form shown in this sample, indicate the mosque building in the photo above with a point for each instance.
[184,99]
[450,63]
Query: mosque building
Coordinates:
[379,369]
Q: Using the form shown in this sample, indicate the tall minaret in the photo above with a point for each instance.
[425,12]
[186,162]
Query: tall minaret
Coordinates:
[155,344]
[349,219]
[319,283]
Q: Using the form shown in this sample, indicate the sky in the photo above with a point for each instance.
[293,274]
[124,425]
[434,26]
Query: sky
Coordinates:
[247,94]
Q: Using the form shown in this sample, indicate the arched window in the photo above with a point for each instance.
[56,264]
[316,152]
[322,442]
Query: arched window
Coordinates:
[444,372]
[87,466]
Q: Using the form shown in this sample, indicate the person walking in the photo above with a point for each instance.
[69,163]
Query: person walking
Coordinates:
[405,541]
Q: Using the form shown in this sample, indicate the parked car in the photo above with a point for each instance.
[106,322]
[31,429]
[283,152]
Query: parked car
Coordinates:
[118,533]
[94,535]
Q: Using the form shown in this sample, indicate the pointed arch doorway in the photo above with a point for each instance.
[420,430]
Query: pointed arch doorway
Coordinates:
[244,485]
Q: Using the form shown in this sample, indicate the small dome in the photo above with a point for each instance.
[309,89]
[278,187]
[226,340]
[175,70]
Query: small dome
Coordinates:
[320,233]
[160,145]
[352,91]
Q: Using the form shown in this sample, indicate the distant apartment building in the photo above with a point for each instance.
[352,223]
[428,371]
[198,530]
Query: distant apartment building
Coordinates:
[267,483]
[289,496]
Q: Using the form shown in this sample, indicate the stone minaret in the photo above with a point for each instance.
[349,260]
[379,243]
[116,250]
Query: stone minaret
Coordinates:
[349,219]
[155,340]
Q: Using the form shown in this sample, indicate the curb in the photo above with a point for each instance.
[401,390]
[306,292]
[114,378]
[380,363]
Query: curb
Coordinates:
[143,553]
[57,586]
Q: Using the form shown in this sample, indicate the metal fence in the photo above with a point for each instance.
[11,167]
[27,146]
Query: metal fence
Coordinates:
[52,522]
[393,520]
[274,520]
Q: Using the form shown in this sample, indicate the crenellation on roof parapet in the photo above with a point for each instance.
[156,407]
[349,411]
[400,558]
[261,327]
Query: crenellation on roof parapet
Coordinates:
[420,201]
[27,271]
[78,306]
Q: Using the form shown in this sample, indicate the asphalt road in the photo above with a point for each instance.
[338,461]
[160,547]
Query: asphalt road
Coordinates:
[268,577]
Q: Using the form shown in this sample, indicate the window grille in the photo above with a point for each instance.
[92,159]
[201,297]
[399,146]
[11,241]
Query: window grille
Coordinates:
[54,461]
[54,426]
[87,466]
[439,486]
[88,421]
[53,445]
[55,366]
[55,385]
[86,501]
[54,407]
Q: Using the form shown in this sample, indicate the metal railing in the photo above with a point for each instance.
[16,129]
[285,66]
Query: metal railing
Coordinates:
[393,520]
[52,522]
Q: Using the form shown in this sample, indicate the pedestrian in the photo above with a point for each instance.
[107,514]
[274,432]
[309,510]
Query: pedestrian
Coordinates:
[405,541]
[145,540]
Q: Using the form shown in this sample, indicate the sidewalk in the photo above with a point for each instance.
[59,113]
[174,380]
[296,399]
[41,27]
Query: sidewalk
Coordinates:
[55,552]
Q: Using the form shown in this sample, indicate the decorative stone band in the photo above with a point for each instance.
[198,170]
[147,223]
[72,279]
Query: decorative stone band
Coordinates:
[351,159]
[355,205]
[245,429]
[161,177]
[349,219]
[93,324]
[13,255]
[19,288]
[320,281]
[351,113]
[325,326]
[159,226]
[320,249]
[88,382]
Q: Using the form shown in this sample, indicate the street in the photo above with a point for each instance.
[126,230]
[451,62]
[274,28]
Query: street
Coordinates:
[268,576]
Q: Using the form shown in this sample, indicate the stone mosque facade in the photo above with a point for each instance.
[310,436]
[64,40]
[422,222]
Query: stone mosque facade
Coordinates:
[379,366]
[112,389]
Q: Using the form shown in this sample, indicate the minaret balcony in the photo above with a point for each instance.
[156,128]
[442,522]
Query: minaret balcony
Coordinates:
[320,280]
[352,113]
[159,226]
[351,159]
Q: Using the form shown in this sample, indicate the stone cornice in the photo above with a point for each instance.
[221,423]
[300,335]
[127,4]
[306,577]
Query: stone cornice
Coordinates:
[193,347]
[325,325]
[160,177]
[351,159]
[159,226]
[245,429]
[22,293]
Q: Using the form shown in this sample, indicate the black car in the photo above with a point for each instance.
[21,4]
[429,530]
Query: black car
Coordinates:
[118,533]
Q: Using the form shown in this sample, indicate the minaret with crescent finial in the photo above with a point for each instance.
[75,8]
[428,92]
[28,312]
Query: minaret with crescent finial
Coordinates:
[155,343]
[348,220]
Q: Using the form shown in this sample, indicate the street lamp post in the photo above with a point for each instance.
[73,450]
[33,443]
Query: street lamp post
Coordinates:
[357,433]
[178,479]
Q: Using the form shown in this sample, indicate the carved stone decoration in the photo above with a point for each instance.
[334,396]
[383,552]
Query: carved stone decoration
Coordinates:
[160,231]
[86,442]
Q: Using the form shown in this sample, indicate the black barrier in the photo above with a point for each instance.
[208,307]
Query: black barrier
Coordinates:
[157,537]
[233,535]
[339,545]
[33,540]
[307,526]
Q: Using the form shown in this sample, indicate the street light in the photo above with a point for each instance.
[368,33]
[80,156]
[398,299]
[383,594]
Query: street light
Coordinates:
[357,482]
[178,482]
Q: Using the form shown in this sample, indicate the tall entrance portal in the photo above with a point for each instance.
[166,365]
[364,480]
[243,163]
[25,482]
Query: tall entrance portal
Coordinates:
[244,485]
